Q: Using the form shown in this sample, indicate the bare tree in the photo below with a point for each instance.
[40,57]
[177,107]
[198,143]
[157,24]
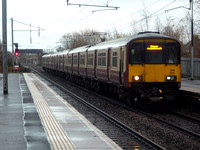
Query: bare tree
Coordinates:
[173,29]
[146,16]
[158,24]
[77,39]
[197,16]
[117,35]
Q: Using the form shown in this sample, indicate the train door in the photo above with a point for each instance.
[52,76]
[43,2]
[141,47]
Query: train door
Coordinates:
[121,64]
[56,59]
[66,63]
[154,63]
[63,62]
[72,63]
[109,64]
[95,63]
[78,63]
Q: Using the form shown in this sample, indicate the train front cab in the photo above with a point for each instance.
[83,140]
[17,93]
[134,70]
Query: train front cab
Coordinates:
[154,69]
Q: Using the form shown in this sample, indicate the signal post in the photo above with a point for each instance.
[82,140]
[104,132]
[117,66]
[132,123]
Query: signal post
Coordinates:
[16,54]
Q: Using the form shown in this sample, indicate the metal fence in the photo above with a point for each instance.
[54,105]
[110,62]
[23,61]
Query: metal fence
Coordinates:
[186,67]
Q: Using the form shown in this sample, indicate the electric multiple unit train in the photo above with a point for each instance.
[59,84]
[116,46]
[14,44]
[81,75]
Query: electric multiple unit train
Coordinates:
[143,67]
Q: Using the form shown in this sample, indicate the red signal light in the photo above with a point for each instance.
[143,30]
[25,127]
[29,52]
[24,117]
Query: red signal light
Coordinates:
[16,53]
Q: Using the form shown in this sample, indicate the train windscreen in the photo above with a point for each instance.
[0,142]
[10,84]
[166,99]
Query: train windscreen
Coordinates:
[154,53]
[136,53]
[172,53]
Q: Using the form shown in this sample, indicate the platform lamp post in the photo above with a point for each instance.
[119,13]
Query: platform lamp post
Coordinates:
[192,40]
[4,37]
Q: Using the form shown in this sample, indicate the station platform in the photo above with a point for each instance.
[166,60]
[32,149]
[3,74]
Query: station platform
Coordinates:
[190,85]
[33,116]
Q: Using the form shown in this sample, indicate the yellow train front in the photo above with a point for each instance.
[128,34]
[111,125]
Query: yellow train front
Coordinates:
[154,70]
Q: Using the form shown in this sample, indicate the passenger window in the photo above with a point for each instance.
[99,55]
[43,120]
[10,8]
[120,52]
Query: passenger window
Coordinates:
[102,59]
[114,59]
[82,59]
[90,59]
[75,60]
[69,60]
[99,59]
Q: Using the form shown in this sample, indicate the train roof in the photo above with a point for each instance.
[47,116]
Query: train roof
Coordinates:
[47,55]
[79,49]
[114,43]
[57,53]
[124,41]
[64,52]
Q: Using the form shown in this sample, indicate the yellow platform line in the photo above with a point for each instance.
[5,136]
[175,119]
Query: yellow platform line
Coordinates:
[56,134]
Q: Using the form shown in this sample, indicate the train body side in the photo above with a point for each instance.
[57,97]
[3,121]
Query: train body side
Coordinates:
[146,66]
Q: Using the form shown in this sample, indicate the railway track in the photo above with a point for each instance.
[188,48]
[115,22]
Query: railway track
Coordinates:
[157,118]
[179,122]
[129,134]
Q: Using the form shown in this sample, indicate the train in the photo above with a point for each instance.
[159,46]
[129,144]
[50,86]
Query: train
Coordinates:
[141,68]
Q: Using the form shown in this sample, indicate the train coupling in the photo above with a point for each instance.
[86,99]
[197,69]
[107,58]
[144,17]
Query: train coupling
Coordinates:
[155,95]
[156,99]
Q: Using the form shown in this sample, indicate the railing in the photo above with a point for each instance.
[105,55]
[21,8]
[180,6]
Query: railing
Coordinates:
[186,67]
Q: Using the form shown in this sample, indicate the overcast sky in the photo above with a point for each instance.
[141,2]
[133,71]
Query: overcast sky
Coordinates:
[56,18]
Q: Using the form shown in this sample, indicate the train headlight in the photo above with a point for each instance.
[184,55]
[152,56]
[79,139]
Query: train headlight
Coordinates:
[137,78]
[171,78]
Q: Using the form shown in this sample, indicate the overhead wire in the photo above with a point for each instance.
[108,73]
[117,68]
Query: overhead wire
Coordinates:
[134,13]
[52,35]
[82,19]
[151,15]
[26,24]
[70,20]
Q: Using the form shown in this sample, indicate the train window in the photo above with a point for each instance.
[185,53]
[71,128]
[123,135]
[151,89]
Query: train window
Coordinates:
[154,57]
[90,59]
[69,60]
[101,59]
[136,53]
[114,59]
[154,53]
[52,60]
[82,59]
[172,53]
[66,60]
[75,60]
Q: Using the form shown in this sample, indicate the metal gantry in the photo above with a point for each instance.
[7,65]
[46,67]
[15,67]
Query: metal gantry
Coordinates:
[12,35]
[102,6]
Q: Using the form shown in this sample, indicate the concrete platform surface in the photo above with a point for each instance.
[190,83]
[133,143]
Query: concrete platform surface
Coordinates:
[20,125]
[66,127]
[190,85]
[11,116]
